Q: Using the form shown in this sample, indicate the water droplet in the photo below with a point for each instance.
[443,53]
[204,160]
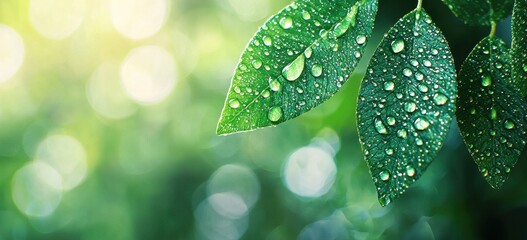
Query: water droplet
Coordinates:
[275,114]
[398,46]
[257,64]
[427,63]
[421,124]
[419,76]
[237,89]
[234,103]
[407,72]
[435,52]
[509,124]
[410,171]
[485,172]
[286,22]
[423,88]
[390,120]
[419,142]
[267,41]
[306,15]
[440,99]
[266,93]
[316,70]
[389,86]
[342,27]
[300,90]
[493,113]
[486,81]
[402,133]
[360,39]
[389,151]
[384,175]
[308,52]
[293,71]
[473,111]
[275,85]
[410,107]
[379,126]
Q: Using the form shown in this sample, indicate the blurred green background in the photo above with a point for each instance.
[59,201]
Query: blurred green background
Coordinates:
[108,110]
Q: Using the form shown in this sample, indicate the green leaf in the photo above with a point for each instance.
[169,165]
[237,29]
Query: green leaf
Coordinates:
[519,45]
[297,60]
[491,113]
[480,12]
[406,104]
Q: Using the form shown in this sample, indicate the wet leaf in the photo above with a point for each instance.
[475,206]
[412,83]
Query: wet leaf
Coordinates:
[480,12]
[519,46]
[297,60]
[406,104]
[491,113]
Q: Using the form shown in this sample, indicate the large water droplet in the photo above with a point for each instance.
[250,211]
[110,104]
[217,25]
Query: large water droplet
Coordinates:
[384,175]
[316,70]
[286,22]
[379,126]
[410,107]
[407,72]
[486,81]
[234,103]
[410,171]
[275,114]
[275,85]
[398,46]
[509,124]
[389,86]
[440,99]
[360,39]
[421,124]
[293,71]
[308,52]
[267,41]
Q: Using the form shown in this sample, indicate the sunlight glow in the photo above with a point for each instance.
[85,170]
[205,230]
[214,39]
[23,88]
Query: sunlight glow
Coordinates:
[11,52]
[56,19]
[139,19]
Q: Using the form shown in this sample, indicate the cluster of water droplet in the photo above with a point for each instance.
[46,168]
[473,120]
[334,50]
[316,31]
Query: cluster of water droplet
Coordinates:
[404,105]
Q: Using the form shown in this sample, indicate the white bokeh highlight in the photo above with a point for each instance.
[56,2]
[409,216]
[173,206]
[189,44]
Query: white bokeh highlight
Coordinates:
[37,189]
[67,156]
[148,74]
[139,19]
[56,19]
[309,172]
[12,51]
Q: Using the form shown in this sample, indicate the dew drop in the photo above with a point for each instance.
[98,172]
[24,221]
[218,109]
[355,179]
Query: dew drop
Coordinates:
[407,72]
[402,133]
[419,142]
[390,120]
[306,15]
[266,93]
[385,176]
[267,41]
[427,63]
[286,22]
[440,99]
[275,114]
[316,70]
[419,76]
[398,46]
[421,124]
[234,103]
[360,39]
[389,151]
[308,52]
[379,126]
[389,86]
[410,171]
[493,113]
[486,81]
[423,88]
[509,124]
[293,71]
[275,85]
[257,64]
[237,89]
[410,107]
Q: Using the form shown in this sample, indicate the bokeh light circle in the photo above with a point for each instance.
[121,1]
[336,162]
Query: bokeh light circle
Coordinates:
[139,19]
[56,19]
[309,172]
[212,225]
[12,52]
[148,74]
[106,95]
[235,180]
[230,205]
[67,156]
[37,189]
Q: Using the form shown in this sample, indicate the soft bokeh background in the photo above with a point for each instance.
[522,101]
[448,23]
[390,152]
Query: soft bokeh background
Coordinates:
[108,110]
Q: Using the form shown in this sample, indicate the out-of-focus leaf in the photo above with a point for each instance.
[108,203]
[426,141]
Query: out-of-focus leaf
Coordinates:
[297,60]
[480,12]
[519,46]
[406,103]
[490,111]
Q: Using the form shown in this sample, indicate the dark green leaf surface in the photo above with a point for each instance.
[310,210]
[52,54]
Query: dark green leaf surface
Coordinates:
[297,60]
[519,45]
[406,104]
[491,113]
[480,12]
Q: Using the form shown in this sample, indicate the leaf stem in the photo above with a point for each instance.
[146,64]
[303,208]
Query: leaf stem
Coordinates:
[419,5]
[492,29]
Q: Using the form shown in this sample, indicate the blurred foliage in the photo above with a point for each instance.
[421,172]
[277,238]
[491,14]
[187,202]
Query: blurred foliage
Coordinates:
[107,132]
